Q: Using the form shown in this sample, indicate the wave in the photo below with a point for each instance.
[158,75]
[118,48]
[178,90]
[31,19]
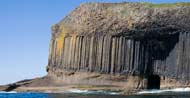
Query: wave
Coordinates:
[92,92]
[164,90]
[8,92]
[77,91]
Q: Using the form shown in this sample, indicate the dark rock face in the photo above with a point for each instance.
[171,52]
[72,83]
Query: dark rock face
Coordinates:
[125,38]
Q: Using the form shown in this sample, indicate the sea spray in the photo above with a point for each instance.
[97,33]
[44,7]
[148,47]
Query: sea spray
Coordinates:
[153,91]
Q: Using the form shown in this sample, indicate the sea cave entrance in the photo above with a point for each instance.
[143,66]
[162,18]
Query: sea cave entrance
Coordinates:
[153,82]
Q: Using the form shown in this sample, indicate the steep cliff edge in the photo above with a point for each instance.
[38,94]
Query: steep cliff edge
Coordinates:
[139,42]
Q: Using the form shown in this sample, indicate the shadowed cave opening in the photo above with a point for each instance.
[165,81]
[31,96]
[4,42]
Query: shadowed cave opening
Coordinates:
[153,82]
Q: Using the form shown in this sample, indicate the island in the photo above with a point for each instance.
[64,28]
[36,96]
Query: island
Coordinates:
[123,47]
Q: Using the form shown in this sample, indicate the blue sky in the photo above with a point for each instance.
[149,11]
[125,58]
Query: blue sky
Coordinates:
[25,34]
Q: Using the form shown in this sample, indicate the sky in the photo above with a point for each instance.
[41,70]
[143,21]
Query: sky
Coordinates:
[25,32]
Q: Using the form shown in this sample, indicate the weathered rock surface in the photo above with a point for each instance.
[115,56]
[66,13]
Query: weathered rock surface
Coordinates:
[129,39]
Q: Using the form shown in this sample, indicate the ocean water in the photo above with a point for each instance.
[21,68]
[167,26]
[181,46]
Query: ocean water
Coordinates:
[74,93]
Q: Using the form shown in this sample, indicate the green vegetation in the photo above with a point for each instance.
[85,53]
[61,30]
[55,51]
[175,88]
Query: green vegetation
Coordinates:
[167,4]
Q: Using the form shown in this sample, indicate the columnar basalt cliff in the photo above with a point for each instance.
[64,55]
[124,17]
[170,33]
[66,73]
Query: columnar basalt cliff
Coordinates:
[136,42]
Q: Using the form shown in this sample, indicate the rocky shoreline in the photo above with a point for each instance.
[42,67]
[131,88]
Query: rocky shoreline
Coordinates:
[116,83]
[39,85]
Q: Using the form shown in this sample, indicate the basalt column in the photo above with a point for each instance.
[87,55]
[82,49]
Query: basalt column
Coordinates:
[122,54]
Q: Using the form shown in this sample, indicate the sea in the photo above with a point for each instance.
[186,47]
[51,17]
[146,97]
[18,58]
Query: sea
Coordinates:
[75,93]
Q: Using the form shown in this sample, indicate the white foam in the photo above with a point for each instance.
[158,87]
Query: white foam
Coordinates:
[91,92]
[181,90]
[8,92]
[164,90]
[106,92]
[114,93]
[77,91]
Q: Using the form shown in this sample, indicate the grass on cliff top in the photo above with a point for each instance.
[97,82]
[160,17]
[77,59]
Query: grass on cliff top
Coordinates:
[167,4]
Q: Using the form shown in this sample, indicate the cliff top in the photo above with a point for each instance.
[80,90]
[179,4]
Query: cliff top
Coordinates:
[122,17]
